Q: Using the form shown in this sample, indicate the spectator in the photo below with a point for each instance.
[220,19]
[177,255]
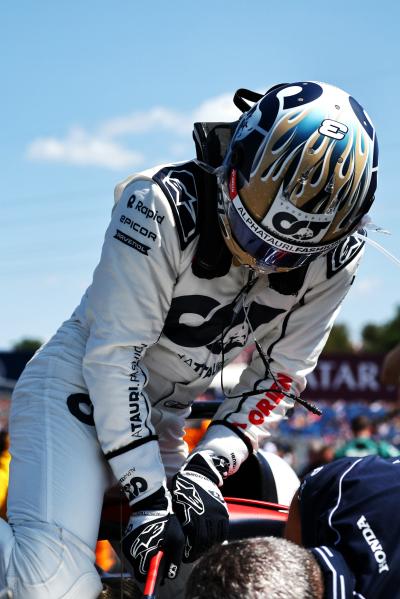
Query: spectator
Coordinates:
[390,372]
[253,569]
[363,442]
[344,517]
[319,454]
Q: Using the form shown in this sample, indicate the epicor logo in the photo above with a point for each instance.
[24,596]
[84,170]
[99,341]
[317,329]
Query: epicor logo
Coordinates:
[137,227]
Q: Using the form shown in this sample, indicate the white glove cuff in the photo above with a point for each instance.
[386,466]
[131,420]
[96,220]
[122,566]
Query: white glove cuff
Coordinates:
[140,471]
[223,442]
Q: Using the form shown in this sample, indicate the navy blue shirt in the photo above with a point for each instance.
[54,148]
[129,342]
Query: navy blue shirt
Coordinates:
[350,517]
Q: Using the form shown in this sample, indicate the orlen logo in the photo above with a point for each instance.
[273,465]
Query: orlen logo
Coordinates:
[270,400]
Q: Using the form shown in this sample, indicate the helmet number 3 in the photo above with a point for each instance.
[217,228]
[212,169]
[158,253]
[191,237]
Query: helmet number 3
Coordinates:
[333,129]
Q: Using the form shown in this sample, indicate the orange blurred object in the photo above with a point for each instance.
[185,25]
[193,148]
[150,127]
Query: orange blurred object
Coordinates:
[5,459]
[194,434]
[105,556]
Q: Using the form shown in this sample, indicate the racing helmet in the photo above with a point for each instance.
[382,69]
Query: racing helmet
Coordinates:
[299,174]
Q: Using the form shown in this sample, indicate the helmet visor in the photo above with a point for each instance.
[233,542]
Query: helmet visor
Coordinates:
[267,257]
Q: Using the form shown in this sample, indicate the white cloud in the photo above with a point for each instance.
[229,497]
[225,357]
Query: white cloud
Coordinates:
[142,122]
[220,108]
[80,148]
[103,147]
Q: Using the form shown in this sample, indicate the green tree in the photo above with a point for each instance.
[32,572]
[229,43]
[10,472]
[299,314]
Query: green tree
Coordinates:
[27,345]
[381,338]
[339,340]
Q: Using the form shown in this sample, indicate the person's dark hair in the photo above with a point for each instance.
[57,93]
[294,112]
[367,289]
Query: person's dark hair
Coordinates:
[258,568]
[360,423]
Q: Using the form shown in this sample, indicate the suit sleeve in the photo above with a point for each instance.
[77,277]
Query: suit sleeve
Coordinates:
[126,306]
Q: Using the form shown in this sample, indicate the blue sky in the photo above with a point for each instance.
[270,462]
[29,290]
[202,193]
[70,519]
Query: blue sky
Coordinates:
[93,91]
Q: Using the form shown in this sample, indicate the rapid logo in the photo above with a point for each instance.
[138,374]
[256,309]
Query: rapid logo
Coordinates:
[143,209]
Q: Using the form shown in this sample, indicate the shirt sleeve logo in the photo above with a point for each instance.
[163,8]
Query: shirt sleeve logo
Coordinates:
[131,242]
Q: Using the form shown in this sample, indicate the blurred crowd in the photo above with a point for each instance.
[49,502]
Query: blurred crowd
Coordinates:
[306,441]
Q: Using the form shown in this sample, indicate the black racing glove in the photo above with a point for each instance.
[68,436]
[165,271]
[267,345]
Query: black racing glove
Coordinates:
[199,505]
[151,528]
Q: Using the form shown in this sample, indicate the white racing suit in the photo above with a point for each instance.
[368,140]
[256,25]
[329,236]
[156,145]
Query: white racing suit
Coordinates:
[146,339]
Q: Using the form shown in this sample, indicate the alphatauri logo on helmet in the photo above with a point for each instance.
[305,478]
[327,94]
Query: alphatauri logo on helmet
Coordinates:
[289,221]
[288,225]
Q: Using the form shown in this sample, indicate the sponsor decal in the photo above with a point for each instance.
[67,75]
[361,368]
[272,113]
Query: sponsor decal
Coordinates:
[149,213]
[222,464]
[295,224]
[81,407]
[137,227]
[138,351]
[288,225]
[143,209]
[131,242]
[134,487]
[129,473]
[270,400]
[215,317]
[147,542]
[179,185]
[131,201]
[187,495]
[203,370]
[172,571]
[333,129]
[343,254]
[134,411]
[234,461]
[232,185]
[274,241]
[137,375]
[374,544]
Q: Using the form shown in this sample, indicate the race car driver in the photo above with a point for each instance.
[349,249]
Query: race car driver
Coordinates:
[200,259]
